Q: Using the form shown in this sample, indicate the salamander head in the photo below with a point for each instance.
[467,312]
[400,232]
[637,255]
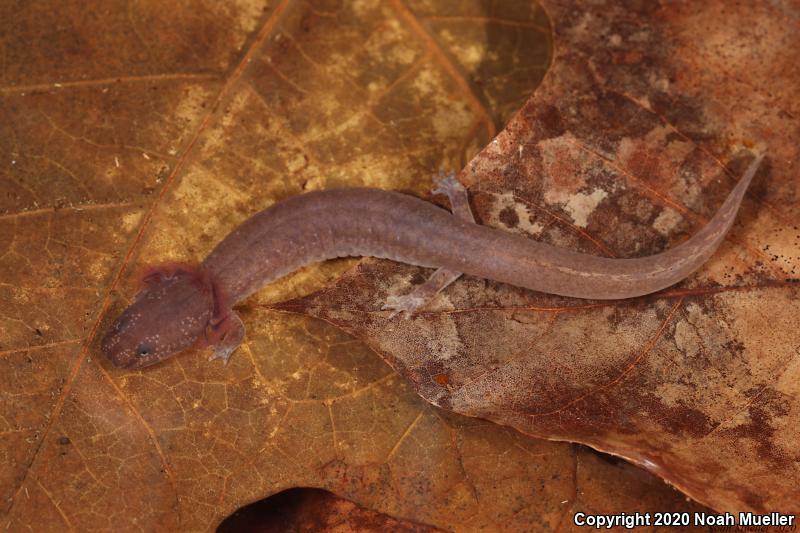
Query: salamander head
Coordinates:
[169,315]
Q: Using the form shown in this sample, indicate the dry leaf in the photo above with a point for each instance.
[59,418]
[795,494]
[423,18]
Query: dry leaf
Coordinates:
[639,130]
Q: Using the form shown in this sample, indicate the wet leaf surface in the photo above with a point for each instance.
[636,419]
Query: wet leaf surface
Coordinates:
[133,134]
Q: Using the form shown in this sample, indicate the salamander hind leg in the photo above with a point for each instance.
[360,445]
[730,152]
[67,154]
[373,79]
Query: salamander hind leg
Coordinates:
[422,294]
[408,304]
[448,185]
[230,336]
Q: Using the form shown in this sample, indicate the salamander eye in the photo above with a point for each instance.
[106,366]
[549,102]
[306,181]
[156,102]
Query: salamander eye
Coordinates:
[144,349]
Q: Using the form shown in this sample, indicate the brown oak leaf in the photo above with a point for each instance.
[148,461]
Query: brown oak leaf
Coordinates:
[638,131]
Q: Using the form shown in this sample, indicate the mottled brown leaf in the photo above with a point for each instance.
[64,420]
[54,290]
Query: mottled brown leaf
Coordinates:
[637,133]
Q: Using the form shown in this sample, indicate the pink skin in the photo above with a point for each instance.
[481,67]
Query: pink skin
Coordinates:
[179,306]
[183,306]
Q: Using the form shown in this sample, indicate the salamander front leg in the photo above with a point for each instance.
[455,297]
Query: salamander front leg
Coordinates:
[232,332]
[448,185]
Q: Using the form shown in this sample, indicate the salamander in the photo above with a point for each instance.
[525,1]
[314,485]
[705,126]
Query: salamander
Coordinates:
[184,305]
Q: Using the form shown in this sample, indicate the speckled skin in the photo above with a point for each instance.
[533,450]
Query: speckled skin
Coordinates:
[182,307]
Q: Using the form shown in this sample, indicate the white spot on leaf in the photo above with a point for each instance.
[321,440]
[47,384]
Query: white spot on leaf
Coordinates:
[581,205]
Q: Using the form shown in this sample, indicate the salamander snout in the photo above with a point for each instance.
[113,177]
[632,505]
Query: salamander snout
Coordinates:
[168,316]
[124,346]
[113,344]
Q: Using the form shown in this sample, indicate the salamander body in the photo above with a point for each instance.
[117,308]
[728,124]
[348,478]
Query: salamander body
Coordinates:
[182,305]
